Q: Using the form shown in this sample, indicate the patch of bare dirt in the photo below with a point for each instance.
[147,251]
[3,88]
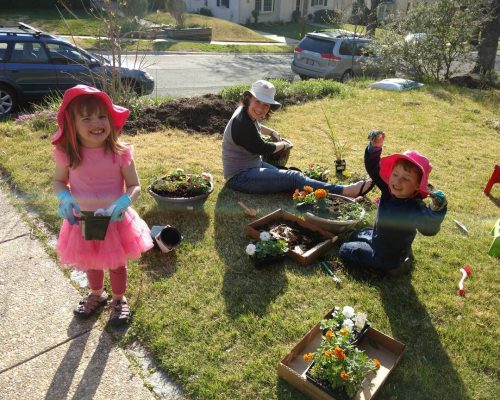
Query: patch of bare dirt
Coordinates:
[204,114]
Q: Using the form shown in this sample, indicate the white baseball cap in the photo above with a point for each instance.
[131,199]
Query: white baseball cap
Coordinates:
[265,92]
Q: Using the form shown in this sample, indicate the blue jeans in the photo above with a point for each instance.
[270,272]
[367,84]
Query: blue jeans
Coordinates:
[269,179]
[358,252]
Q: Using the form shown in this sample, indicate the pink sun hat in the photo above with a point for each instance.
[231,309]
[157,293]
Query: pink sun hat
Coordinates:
[422,162]
[117,113]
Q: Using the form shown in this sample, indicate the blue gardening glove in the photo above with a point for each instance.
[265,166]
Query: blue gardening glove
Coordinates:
[67,207]
[438,200]
[120,206]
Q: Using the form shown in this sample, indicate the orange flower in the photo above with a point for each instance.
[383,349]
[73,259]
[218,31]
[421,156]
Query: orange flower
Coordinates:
[320,193]
[295,194]
[329,334]
[308,189]
[303,195]
[344,376]
[376,362]
[308,357]
[339,353]
[328,353]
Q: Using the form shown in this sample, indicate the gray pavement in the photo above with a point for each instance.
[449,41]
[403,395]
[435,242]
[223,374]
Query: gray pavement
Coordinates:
[44,352]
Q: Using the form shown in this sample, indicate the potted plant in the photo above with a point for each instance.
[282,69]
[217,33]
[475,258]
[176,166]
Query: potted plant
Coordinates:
[332,212]
[338,366]
[267,250]
[280,158]
[181,190]
[318,172]
[338,148]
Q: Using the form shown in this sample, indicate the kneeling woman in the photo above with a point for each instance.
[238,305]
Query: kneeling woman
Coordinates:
[243,148]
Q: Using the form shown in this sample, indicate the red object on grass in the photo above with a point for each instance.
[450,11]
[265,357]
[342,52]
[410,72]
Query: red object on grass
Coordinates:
[495,178]
[466,271]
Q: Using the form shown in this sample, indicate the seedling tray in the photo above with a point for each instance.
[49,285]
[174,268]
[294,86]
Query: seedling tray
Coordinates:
[308,257]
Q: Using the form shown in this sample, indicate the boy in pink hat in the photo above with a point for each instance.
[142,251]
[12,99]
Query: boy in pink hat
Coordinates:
[403,181]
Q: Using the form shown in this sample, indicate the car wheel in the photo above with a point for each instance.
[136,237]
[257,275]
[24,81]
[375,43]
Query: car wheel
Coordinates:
[8,100]
[347,75]
[304,77]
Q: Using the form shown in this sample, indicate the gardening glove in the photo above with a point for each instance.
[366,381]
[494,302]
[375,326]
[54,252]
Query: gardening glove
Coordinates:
[67,207]
[119,206]
[276,136]
[438,200]
[376,138]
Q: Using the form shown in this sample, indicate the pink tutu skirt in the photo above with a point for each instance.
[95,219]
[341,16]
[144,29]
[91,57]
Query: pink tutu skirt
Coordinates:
[125,240]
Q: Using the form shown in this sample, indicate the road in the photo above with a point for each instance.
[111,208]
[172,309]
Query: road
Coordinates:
[184,75]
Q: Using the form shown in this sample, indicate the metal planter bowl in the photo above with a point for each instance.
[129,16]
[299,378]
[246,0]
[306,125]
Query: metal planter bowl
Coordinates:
[333,225]
[181,203]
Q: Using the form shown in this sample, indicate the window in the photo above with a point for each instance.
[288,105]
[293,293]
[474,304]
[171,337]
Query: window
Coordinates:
[62,54]
[319,3]
[223,3]
[28,52]
[264,6]
[3,50]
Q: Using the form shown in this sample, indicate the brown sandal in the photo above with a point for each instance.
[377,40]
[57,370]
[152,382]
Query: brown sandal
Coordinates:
[89,306]
[120,312]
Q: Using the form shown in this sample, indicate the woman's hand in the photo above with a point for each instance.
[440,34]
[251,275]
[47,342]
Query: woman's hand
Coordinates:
[376,138]
[275,136]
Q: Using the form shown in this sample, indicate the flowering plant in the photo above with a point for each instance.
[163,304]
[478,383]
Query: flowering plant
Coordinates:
[318,203]
[180,184]
[337,360]
[267,246]
[317,171]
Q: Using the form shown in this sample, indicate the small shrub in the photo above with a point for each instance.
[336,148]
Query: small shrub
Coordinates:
[206,12]
[327,17]
[296,16]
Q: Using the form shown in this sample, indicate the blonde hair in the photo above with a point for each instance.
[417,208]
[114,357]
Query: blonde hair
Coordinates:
[83,105]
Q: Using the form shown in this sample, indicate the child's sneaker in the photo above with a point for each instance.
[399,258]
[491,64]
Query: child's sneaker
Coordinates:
[89,306]
[120,312]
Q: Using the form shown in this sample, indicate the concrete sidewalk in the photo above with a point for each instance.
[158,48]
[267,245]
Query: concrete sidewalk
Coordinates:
[44,352]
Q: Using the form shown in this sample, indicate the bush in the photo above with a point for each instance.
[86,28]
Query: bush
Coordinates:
[308,90]
[206,12]
[296,16]
[327,17]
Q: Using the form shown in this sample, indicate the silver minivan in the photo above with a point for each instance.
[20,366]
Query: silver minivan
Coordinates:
[333,55]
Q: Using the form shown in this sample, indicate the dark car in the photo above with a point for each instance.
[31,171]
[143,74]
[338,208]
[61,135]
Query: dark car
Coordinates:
[34,64]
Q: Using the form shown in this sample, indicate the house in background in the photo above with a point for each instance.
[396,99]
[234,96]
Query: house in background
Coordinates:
[240,11]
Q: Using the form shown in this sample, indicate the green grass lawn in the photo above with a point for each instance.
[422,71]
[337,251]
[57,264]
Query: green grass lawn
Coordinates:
[293,30]
[220,327]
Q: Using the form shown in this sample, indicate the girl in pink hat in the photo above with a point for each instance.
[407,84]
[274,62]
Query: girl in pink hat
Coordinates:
[95,170]
[403,181]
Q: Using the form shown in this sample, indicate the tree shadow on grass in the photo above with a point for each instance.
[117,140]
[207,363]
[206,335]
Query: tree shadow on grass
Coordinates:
[425,371]
[246,290]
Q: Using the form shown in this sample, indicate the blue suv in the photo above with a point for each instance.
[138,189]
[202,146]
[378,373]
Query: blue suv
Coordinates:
[34,64]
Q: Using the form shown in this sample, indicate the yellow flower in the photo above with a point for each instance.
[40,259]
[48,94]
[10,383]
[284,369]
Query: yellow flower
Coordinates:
[344,331]
[308,189]
[320,193]
[376,362]
[329,334]
[328,353]
[344,376]
[308,357]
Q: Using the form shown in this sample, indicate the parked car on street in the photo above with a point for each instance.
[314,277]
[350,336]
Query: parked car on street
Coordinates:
[334,55]
[34,63]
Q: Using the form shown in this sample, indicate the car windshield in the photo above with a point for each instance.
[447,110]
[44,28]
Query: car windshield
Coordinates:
[317,45]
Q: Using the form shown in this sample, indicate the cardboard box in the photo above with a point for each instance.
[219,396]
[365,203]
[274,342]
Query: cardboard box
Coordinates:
[310,255]
[389,351]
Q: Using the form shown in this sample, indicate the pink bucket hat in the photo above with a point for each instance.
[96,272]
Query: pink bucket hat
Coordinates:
[118,114]
[422,162]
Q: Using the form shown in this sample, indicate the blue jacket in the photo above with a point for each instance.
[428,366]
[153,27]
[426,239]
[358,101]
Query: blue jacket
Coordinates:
[398,220]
